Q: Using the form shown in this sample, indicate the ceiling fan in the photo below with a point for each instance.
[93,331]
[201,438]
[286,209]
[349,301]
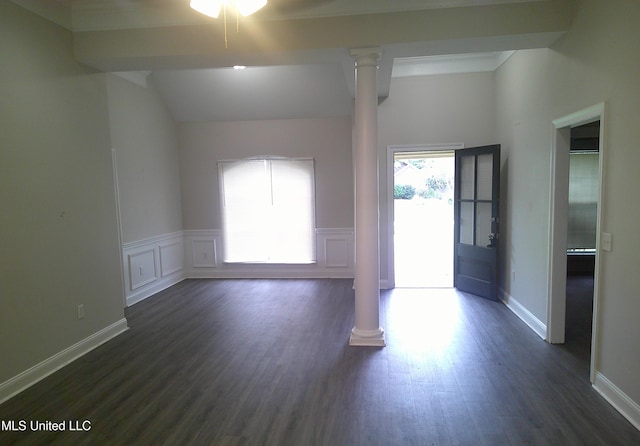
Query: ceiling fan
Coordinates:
[212,8]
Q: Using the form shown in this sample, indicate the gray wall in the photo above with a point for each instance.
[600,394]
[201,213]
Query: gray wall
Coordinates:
[58,228]
[596,61]
[143,134]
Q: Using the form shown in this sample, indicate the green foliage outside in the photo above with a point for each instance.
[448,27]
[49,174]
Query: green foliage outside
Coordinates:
[429,193]
[403,191]
[432,178]
[437,182]
[435,186]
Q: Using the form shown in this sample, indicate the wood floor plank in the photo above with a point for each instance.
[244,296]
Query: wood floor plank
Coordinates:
[266,362]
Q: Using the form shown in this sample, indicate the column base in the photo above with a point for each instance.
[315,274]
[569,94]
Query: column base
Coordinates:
[367,338]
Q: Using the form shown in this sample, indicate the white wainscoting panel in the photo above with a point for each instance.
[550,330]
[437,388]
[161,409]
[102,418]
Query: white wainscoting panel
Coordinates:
[334,258]
[152,265]
[141,268]
[336,251]
[335,248]
[204,253]
[202,249]
[171,258]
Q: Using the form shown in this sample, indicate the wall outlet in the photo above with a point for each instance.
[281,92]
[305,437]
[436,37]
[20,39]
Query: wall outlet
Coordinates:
[80,311]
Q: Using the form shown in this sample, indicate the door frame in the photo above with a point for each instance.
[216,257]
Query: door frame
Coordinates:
[391,151]
[559,202]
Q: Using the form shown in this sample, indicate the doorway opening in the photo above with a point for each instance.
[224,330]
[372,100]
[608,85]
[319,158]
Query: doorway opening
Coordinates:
[584,186]
[423,218]
[576,221]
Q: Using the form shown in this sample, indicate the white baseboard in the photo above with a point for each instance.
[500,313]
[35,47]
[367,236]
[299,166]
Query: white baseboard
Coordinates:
[609,391]
[156,263]
[148,291]
[618,399]
[521,311]
[50,365]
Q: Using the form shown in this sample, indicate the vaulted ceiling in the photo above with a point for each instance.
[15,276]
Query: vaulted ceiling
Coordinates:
[297,52]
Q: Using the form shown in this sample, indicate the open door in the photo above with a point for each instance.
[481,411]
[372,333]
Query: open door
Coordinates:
[476,215]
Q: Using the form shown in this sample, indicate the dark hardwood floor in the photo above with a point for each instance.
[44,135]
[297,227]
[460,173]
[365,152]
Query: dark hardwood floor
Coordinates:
[266,362]
[578,321]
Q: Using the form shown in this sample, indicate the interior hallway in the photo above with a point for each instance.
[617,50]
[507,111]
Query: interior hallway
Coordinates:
[579,315]
[243,362]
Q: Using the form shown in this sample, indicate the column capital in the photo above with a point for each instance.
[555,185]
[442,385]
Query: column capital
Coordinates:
[366,56]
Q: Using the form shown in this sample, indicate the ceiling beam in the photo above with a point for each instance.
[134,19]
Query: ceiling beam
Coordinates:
[276,42]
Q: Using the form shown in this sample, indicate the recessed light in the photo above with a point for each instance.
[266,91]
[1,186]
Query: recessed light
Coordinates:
[239,67]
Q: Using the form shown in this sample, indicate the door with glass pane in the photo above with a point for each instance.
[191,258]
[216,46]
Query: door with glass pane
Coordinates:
[476,210]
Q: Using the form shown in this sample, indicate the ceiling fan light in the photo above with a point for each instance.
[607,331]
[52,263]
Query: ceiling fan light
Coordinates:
[248,7]
[207,7]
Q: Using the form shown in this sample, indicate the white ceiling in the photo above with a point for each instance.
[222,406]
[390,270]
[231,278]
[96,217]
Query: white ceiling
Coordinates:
[312,82]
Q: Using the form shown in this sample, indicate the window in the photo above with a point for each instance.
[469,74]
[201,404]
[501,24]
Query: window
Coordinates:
[583,200]
[268,210]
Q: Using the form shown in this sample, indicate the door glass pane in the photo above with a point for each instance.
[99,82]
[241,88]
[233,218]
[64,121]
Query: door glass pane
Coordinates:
[485,180]
[483,224]
[466,223]
[467,177]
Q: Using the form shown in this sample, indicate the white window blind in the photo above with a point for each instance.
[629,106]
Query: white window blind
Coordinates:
[268,210]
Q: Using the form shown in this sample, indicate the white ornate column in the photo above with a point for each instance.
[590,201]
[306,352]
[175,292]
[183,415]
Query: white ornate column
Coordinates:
[367,330]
